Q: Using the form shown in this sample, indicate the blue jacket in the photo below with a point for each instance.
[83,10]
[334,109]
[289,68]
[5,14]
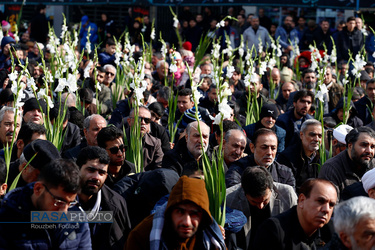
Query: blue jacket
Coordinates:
[93,36]
[370,47]
[280,133]
[16,207]
[287,122]
[284,38]
[105,58]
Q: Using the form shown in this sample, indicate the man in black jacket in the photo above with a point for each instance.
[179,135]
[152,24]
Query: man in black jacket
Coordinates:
[349,39]
[95,196]
[264,148]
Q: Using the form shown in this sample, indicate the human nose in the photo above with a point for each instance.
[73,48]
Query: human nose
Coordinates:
[260,205]
[186,221]
[325,208]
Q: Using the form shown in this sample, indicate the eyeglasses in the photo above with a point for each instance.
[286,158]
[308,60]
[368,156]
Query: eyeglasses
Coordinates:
[140,118]
[109,73]
[60,203]
[114,150]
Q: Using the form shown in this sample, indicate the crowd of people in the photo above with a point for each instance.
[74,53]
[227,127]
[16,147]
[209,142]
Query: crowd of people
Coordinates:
[281,194]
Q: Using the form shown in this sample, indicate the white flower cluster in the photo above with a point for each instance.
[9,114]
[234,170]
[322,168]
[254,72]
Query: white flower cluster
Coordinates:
[175,22]
[152,35]
[277,48]
[70,82]
[220,24]
[358,65]
[262,68]
[215,50]
[323,91]
[251,77]
[224,108]
[230,70]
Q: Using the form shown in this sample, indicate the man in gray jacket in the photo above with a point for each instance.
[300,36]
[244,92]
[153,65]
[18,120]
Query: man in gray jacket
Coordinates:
[256,34]
[259,198]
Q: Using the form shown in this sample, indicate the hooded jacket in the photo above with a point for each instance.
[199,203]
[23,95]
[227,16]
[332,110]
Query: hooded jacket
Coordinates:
[155,232]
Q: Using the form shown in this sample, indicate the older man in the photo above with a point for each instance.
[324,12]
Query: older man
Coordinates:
[350,165]
[303,156]
[33,110]
[234,144]
[91,127]
[93,163]
[298,227]
[354,225]
[256,34]
[184,223]
[259,198]
[8,129]
[264,148]
[188,148]
[152,151]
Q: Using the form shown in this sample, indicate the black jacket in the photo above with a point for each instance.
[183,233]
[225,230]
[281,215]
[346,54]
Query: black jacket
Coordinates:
[346,41]
[279,172]
[111,235]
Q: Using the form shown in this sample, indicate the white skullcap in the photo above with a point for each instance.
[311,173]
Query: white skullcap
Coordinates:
[368,180]
[340,132]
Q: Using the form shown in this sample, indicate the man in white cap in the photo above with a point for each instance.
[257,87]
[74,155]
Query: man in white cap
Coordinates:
[368,182]
[338,140]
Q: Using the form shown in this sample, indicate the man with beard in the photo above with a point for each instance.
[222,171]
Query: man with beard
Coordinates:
[303,156]
[267,119]
[94,196]
[8,128]
[111,139]
[189,148]
[264,148]
[256,34]
[349,38]
[293,119]
[287,35]
[350,165]
[151,146]
[55,191]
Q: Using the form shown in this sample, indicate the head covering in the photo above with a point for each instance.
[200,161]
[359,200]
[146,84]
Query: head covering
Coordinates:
[44,152]
[187,45]
[6,40]
[189,116]
[368,180]
[5,25]
[285,75]
[341,131]
[269,110]
[365,76]
[189,189]
[32,104]
[84,19]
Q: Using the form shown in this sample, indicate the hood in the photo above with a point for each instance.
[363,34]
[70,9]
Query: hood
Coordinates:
[189,189]
[5,41]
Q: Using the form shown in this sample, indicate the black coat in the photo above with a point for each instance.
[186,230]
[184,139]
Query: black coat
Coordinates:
[346,41]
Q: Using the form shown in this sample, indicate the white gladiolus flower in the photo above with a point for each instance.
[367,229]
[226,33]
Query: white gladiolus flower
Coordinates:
[88,47]
[279,52]
[314,65]
[139,94]
[323,91]
[31,82]
[175,22]
[220,24]
[163,49]
[271,63]
[14,89]
[217,119]
[173,68]
[262,68]
[86,72]
[13,76]
[230,70]
[197,95]
[152,36]
[225,109]
[364,31]
[373,54]
[241,51]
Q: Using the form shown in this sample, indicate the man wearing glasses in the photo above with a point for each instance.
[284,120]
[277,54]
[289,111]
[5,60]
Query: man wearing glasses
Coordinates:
[111,139]
[152,151]
[55,190]
[95,196]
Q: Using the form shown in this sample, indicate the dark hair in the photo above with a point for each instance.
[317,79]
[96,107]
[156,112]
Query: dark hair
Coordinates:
[353,135]
[351,18]
[165,92]
[307,71]
[237,70]
[308,185]
[86,95]
[92,153]
[212,86]
[185,92]
[303,93]
[109,133]
[61,172]
[191,168]
[157,107]
[28,129]
[256,180]
[3,171]
[260,132]
[110,41]
[227,125]
[371,81]
[100,69]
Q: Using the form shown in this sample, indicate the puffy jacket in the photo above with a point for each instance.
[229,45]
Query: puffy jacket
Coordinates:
[16,207]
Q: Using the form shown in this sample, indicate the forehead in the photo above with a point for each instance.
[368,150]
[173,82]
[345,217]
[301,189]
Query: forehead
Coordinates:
[97,120]
[183,98]
[110,69]
[266,139]
[365,138]
[287,86]
[237,137]
[95,163]
[144,112]
[324,190]
[189,206]
[115,142]
[314,128]
[305,99]
[312,74]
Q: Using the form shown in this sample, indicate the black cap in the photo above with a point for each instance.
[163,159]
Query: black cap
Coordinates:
[32,104]
[45,152]
[269,110]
